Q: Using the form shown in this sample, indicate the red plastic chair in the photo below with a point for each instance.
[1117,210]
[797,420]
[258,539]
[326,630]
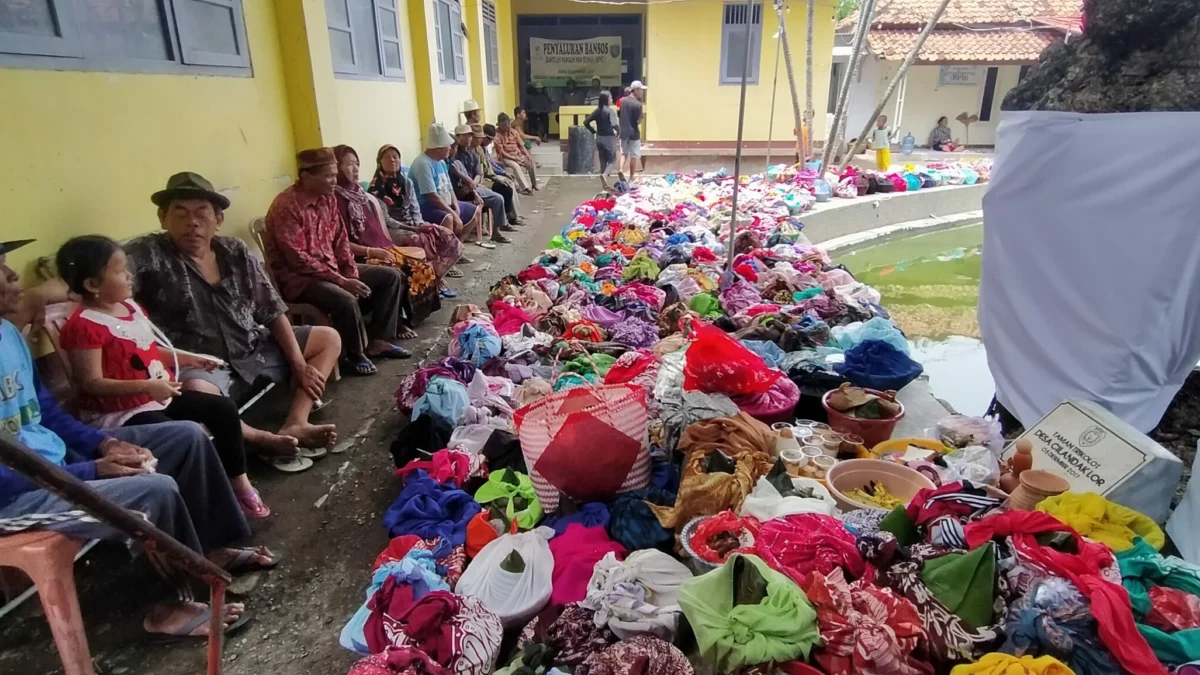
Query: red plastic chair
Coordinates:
[49,560]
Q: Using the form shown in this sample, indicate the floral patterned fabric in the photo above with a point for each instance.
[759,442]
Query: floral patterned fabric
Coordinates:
[641,654]
[569,632]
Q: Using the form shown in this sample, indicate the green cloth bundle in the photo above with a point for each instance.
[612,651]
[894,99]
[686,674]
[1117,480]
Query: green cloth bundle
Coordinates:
[583,364]
[965,583]
[516,496]
[641,267]
[706,305]
[1142,567]
[774,621]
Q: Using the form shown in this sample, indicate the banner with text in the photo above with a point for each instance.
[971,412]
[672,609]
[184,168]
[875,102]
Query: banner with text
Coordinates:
[553,62]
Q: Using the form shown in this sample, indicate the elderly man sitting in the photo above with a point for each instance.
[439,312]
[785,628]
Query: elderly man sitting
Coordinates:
[308,249]
[466,161]
[430,173]
[186,494]
[210,295]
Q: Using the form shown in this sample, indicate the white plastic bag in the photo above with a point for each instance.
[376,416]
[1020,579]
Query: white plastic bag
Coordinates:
[765,503]
[639,595]
[514,597]
[974,463]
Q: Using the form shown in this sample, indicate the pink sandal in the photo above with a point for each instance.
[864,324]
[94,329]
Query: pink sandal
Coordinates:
[253,505]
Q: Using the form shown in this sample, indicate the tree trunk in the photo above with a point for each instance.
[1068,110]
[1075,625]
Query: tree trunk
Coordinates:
[912,56]
[857,52]
[787,58]
[809,113]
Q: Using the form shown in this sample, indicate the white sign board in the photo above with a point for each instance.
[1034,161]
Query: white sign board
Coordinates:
[1097,452]
[553,62]
[958,75]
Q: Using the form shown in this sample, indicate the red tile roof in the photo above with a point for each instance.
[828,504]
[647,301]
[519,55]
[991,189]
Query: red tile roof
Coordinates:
[916,12]
[967,46]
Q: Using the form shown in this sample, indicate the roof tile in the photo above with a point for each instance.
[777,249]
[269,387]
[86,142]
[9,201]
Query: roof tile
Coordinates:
[967,46]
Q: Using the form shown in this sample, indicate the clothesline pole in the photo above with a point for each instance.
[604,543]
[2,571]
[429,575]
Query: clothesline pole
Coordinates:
[774,90]
[737,160]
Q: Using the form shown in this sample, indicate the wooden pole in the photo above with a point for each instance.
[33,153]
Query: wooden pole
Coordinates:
[737,160]
[912,56]
[787,60]
[857,51]
[809,113]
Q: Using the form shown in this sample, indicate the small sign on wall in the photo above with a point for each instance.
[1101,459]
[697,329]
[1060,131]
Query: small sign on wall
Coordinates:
[959,75]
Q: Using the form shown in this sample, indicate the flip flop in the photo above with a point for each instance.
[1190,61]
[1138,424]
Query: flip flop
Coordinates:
[447,293]
[485,244]
[465,260]
[454,274]
[296,464]
[394,353]
[407,334]
[362,368]
[313,453]
[201,619]
[253,505]
[501,239]
[243,561]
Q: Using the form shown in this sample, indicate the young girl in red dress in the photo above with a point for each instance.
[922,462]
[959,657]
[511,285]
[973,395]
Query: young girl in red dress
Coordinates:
[122,374]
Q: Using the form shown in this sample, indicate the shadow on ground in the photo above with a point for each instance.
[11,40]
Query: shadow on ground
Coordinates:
[326,521]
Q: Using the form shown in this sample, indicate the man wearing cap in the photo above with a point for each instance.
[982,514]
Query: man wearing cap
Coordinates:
[430,173]
[510,147]
[309,252]
[471,111]
[467,161]
[210,295]
[630,117]
[169,473]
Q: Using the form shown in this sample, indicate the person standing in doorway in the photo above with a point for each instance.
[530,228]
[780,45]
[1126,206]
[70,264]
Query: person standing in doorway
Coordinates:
[630,126]
[603,122]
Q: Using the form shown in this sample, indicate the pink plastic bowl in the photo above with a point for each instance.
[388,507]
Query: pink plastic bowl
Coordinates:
[904,483]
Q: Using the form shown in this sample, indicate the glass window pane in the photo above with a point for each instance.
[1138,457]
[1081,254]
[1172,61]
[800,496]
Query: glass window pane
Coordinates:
[366,43]
[126,28]
[211,28]
[391,54]
[340,48]
[30,17]
[335,13]
[388,24]
[447,40]
[735,53]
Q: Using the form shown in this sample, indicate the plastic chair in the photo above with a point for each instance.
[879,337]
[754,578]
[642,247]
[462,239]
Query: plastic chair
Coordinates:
[49,560]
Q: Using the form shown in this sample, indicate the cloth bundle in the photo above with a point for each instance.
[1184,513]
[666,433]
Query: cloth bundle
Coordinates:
[643,654]
[417,571]
[1051,618]
[511,492]
[1144,570]
[800,544]
[639,595]
[773,622]
[1098,519]
[569,633]
[477,342]
[444,398]
[765,503]
[864,628]
[1004,664]
[576,551]
[456,632]
[451,560]
[428,509]
[515,587]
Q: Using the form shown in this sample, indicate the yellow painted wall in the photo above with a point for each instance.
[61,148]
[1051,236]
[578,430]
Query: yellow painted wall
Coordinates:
[571,7]
[685,101]
[374,113]
[443,99]
[85,150]
[506,27]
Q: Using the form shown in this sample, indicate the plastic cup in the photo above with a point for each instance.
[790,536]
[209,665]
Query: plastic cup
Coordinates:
[822,465]
[794,459]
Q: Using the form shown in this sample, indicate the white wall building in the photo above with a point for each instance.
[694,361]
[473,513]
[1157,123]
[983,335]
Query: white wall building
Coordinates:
[974,56]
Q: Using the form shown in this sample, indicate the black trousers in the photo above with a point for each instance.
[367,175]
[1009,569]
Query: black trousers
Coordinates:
[388,286]
[510,202]
[218,413]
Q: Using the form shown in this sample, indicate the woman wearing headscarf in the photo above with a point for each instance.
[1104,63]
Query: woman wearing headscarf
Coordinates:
[363,216]
[404,221]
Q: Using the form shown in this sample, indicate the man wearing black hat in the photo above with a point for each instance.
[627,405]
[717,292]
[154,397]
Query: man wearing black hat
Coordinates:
[210,295]
[186,493]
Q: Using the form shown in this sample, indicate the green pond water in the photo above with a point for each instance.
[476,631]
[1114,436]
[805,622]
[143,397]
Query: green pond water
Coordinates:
[930,284]
[929,281]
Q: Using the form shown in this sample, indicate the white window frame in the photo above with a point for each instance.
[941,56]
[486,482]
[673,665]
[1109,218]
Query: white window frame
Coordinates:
[733,19]
[66,51]
[455,68]
[491,43]
[381,11]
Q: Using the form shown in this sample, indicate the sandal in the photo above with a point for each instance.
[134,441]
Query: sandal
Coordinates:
[485,244]
[394,353]
[501,239]
[296,464]
[454,274]
[406,333]
[243,560]
[447,293]
[362,368]
[313,453]
[253,505]
[201,619]
[465,260]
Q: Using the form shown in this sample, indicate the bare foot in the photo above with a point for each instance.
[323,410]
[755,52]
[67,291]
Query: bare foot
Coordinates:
[311,435]
[274,445]
[171,618]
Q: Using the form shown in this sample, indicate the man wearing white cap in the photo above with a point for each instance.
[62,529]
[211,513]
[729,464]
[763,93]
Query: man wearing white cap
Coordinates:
[471,111]
[435,193]
[467,162]
[630,123]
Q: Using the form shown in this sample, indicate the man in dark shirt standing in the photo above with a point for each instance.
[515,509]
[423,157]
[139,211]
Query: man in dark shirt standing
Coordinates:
[631,134]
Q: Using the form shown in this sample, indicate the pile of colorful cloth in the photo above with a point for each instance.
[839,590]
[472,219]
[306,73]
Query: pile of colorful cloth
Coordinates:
[590,484]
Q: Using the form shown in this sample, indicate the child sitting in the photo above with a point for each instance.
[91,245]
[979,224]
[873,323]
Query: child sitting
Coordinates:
[118,366]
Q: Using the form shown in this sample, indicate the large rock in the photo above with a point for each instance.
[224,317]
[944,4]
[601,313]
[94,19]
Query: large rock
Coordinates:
[1134,56]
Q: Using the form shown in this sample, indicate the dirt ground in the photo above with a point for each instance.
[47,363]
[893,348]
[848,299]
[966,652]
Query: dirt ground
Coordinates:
[326,521]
